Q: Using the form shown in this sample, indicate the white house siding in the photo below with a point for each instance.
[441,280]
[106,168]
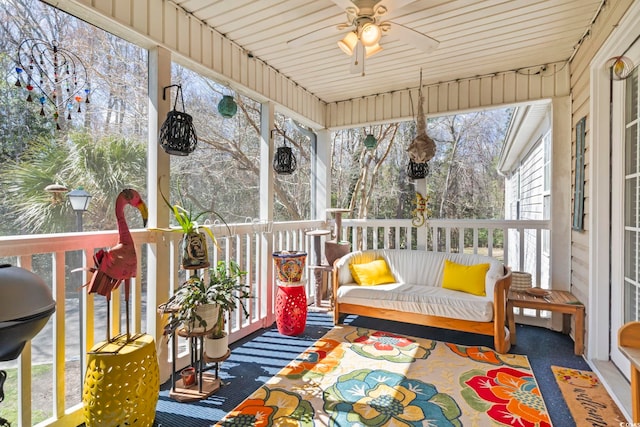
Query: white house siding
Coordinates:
[501,89]
[581,90]
[524,198]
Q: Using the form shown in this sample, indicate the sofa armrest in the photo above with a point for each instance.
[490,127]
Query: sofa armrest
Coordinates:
[500,295]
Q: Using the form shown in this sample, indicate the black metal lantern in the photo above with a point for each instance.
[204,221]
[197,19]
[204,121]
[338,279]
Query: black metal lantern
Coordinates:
[284,162]
[417,170]
[177,134]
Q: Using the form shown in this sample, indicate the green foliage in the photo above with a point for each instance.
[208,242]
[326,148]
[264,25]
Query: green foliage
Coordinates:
[102,166]
[227,290]
[224,289]
[184,303]
[187,219]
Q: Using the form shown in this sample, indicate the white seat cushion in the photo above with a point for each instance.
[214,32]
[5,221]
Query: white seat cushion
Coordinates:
[432,300]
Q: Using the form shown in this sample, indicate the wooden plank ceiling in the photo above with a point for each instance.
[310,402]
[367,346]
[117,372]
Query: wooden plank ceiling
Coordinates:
[477,38]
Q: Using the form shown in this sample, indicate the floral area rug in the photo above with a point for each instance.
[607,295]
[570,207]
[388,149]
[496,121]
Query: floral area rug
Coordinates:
[361,377]
[587,399]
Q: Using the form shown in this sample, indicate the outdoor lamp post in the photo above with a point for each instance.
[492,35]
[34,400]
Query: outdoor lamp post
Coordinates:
[79,200]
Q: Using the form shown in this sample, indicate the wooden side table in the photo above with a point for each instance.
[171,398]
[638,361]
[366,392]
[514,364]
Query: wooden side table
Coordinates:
[557,301]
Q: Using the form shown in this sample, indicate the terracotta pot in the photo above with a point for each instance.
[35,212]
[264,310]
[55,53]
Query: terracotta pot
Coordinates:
[188,375]
[289,265]
[194,251]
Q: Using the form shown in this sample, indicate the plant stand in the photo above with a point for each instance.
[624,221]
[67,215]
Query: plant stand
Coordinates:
[206,384]
[112,393]
[337,248]
[321,272]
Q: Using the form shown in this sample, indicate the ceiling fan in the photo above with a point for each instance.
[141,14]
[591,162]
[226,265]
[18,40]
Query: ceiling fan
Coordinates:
[364,29]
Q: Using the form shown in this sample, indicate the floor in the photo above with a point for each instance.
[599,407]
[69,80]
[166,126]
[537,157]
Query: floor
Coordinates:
[255,359]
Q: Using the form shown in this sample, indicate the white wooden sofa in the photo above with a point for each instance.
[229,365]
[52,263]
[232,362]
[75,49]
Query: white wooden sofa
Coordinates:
[415,293]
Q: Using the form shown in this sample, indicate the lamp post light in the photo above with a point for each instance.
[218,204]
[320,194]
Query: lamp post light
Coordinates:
[79,200]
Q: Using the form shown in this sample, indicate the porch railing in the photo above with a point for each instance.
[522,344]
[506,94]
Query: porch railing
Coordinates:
[53,363]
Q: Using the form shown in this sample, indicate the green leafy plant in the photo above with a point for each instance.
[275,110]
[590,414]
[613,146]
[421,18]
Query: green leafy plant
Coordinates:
[187,219]
[227,290]
[184,303]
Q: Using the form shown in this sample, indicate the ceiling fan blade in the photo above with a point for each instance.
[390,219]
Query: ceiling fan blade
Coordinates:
[320,33]
[418,40]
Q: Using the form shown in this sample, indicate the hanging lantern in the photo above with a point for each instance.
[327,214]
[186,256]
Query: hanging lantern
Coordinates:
[227,107]
[370,142]
[284,162]
[417,170]
[177,134]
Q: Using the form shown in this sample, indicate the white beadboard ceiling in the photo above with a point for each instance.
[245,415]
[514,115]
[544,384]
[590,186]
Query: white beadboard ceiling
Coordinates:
[477,37]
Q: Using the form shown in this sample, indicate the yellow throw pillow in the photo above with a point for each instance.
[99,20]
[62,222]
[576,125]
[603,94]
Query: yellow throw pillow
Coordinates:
[465,278]
[372,273]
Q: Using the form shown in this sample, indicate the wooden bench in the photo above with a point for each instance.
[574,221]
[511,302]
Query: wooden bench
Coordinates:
[629,345]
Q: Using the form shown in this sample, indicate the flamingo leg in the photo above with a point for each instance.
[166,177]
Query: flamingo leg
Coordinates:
[127,286]
[108,317]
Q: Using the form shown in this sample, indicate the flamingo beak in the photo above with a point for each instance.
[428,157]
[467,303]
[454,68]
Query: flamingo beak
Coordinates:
[142,207]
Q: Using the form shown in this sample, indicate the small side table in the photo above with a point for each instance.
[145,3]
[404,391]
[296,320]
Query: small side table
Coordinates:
[291,308]
[122,382]
[557,301]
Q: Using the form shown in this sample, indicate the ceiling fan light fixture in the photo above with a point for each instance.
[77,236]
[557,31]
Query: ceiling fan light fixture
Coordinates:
[372,50]
[370,34]
[348,43]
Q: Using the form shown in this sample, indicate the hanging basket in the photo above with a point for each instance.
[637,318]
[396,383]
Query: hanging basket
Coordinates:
[177,134]
[417,170]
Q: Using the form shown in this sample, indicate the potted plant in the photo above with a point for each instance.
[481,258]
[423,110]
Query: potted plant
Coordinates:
[194,244]
[191,307]
[227,291]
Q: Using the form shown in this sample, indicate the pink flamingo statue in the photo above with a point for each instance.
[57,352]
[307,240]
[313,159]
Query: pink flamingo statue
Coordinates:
[119,263]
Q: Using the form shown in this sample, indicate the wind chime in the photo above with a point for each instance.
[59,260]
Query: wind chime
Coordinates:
[52,76]
[422,148]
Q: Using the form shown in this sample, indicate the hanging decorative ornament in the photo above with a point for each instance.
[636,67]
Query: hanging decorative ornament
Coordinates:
[370,142]
[417,170]
[227,107]
[284,162]
[56,73]
[422,148]
[177,134]
[421,212]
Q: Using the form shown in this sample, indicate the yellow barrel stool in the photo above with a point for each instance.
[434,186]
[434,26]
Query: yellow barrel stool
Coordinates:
[122,383]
